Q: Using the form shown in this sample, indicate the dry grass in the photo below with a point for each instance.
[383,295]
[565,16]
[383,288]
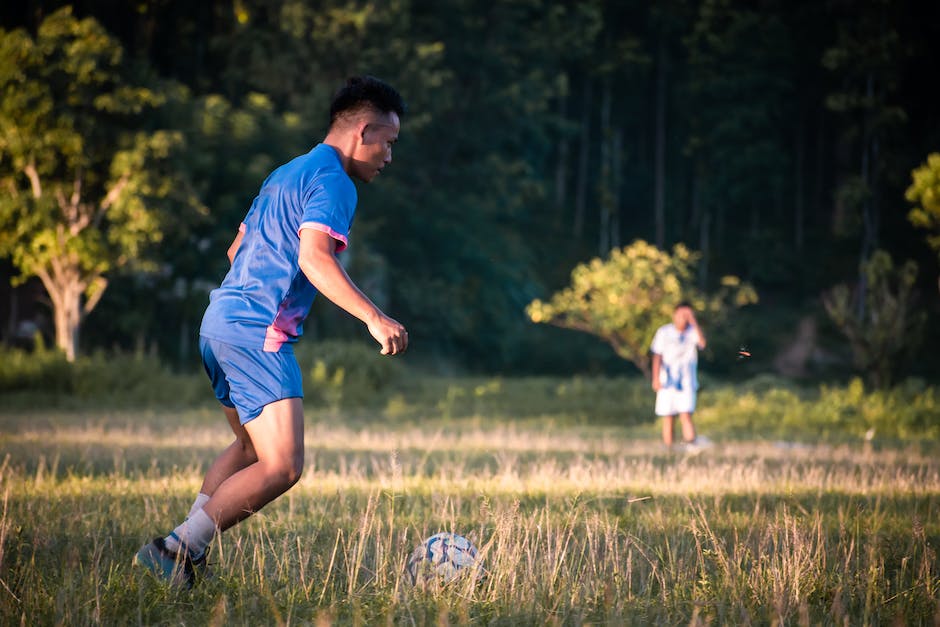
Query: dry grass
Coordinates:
[575,524]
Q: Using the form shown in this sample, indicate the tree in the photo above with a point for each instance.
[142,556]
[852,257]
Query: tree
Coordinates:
[924,192]
[891,325]
[738,93]
[80,182]
[230,149]
[866,59]
[623,299]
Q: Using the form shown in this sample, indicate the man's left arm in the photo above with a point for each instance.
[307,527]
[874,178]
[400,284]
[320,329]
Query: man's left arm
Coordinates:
[318,262]
[236,243]
[698,330]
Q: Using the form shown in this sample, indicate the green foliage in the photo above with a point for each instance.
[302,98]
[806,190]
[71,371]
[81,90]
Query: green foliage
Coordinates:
[532,142]
[888,325]
[44,377]
[777,409]
[231,146]
[81,186]
[732,49]
[626,297]
[369,388]
[348,374]
[38,371]
[924,193]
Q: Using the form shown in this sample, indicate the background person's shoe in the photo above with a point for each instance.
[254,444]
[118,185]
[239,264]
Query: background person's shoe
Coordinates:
[697,445]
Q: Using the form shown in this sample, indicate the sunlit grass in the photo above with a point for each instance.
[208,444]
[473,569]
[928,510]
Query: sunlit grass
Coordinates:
[575,523]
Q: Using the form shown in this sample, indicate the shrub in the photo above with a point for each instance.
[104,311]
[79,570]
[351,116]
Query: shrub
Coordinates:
[770,407]
[346,374]
[43,376]
[41,370]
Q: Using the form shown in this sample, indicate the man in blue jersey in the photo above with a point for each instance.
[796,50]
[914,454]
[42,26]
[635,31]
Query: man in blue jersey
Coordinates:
[283,255]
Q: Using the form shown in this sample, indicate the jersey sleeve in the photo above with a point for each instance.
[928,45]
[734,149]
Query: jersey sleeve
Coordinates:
[329,208]
[656,347]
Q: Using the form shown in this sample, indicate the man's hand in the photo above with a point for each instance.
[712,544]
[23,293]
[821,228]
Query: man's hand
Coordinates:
[318,262]
[698,330]
[390,334]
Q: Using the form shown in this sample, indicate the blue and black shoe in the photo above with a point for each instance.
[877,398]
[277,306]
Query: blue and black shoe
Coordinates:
[177,569]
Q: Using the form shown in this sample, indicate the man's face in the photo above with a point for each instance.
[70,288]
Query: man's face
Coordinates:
[375,150]
[681,317]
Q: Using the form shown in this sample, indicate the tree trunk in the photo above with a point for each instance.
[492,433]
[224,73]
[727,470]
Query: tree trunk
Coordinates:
[659,185]
[580,203]
[605,183]
[616,165]
[869,213]
[705,248]
[703,219]
[67,311]
[73,297]
[798,188]
[561,166]
[13,320]
[73,292]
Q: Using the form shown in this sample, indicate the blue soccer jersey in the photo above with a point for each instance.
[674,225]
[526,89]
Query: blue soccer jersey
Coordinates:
[265,297]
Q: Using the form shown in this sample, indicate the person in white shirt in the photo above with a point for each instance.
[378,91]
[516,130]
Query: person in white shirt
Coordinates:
[675,349]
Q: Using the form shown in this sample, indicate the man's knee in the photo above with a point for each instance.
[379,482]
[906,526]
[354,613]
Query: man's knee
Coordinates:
[296,469]
[287,472]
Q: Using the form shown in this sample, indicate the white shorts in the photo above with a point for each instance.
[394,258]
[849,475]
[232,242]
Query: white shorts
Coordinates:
[670,401]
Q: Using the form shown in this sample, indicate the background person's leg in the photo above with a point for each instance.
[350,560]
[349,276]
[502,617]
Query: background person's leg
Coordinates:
[667,430]
[688,429]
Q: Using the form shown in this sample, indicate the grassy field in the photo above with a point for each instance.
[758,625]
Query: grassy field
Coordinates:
[577,520]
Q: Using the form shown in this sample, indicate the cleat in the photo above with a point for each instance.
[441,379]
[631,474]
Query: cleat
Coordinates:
[169,566]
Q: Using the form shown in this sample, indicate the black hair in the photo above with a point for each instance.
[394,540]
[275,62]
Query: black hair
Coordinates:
[684,303]
[365,91]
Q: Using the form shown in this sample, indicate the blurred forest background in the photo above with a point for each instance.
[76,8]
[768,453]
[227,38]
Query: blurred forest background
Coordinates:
[776,138]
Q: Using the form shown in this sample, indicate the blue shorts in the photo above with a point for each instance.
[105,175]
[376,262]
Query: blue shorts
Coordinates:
[248,379]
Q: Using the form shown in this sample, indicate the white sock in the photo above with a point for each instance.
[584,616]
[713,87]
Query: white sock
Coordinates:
[201,499]
[195,533]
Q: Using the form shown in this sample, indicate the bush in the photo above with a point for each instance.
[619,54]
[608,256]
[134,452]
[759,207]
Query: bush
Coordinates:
[769,407]
[905,411]
[40,370]
[347,374]
[44,376]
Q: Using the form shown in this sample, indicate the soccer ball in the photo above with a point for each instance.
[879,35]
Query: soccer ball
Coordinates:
[441,558]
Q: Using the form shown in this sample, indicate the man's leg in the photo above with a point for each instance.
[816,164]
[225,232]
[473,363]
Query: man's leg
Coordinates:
[688,429]
[239,455]
[277,438]
[667,430]
[264,461]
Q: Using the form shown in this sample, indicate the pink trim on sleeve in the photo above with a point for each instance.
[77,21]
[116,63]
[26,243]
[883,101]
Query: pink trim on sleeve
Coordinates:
[341,240]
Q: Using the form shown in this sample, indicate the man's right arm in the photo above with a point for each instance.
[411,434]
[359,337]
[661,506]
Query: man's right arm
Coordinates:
[318,262]
[657,362]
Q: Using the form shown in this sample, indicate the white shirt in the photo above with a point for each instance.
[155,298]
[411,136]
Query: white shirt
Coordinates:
[679,353]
